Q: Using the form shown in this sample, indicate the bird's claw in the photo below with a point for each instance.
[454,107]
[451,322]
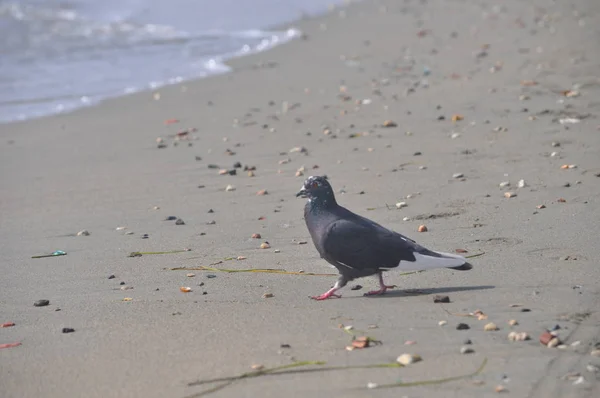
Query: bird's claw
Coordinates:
[325,296]
[379,292]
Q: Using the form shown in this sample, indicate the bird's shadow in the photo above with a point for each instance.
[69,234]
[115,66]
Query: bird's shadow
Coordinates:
[435,290]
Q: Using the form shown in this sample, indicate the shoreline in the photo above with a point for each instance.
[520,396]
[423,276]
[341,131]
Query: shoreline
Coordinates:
[479,95]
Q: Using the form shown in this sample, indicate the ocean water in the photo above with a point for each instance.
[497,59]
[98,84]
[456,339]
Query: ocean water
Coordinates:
[59,55]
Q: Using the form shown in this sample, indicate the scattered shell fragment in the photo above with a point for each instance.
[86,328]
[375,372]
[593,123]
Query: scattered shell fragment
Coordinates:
[389,123]
[83,232]
[400,205]
[504,184]
[257,367]
[490,327]
[251,173]
[190,275]
[546,337]
[457,118]
[521,184]
[229,188]
[466,350]
[41,303]
[555,342]
[361,342]
[509,195]
[513,322]
[7,325]
[256,236]
[262,192]
[371,385]
[185,289]
[541,206]
[422,228]
[265,245]
[268,295]
[442,323]
[458,175]
[518,336]
[595,353]
[500,388]
[239,258]
[127,299]
[299,149]
[407,359]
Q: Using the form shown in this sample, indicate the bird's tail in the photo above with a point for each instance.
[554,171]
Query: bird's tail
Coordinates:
[427,259]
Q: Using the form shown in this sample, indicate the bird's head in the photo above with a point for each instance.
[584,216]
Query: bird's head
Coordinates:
[316,187]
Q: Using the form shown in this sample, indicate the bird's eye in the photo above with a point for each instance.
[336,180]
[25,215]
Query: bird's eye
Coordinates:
[315,184]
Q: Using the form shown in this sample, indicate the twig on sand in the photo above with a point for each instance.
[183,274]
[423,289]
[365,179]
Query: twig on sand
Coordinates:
[55,254]
[139,254]
[257,270]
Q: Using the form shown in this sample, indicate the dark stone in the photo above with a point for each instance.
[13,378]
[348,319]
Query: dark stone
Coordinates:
[41,303]
[462,326]
[441,299]
[237,165]
[417,153]
[211,211]
[171,218]
[68,330]
[210,276]
[179,222]
[467,341]
[111,277]
[285,346]
[121,283]
[356,287]
[525,310]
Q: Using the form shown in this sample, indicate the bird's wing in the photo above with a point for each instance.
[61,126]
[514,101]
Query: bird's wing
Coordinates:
[364,246]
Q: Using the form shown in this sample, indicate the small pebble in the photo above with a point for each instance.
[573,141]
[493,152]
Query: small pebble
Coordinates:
[111,277]
[490,327]
[521,184]
[257,367]
[41,303]
[179,222]
[462,326]
[442,323]
[229,188]
[458,175]
[441,299]
[407,359]
[504,184]
[500,389]
[518,336]
[68,330]
[265,245]
[268,295]
[400,205]
[371,386]
[83,232]
[356,287]
[262,192]
[422,228]
[513,322]
[190,275]
[595,353]
[466,350]
[467,342]
[509,195]
[185,289]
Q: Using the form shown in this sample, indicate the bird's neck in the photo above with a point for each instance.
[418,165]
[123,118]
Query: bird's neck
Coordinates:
[321,203]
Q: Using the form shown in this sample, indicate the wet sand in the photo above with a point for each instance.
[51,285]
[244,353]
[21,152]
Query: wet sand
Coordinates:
[521,83]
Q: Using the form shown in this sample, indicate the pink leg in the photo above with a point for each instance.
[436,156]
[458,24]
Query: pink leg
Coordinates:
[328,294]
[382,287]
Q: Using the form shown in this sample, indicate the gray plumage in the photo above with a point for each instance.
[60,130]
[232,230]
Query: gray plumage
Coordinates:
[359,247]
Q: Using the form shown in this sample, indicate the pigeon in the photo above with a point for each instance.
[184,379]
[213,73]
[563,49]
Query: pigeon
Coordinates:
[359,247]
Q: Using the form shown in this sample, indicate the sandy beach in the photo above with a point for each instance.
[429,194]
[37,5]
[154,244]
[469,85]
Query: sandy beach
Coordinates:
[481,96]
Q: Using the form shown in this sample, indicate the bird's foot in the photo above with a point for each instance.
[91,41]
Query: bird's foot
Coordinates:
[325,296]
[379,292]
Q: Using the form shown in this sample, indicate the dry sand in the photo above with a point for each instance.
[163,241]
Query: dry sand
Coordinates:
[100,168]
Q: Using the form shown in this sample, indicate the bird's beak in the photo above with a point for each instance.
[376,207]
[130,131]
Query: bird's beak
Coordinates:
[302,193]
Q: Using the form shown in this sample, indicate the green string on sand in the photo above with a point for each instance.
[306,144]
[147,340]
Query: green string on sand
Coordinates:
[291,369]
